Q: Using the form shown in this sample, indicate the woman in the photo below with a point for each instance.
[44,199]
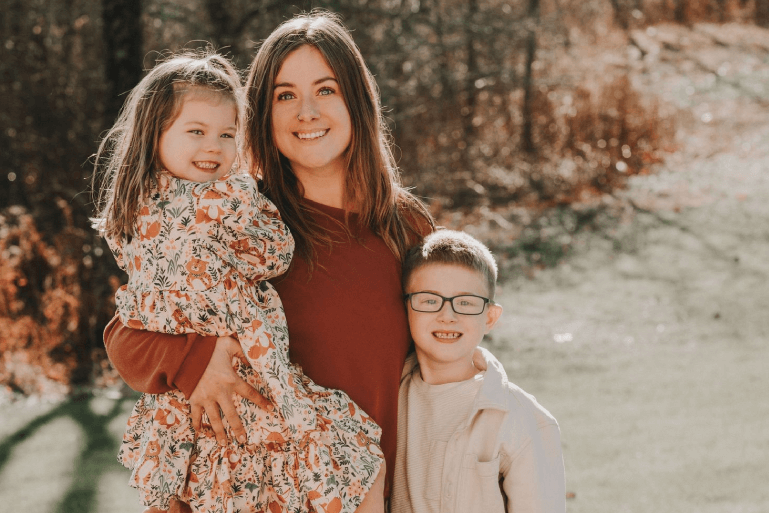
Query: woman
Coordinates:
[317,138]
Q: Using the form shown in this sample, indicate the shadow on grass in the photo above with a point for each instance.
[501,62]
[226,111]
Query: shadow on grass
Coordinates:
[97,455]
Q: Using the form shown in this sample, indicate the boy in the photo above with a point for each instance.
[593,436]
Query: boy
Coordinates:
[468,439]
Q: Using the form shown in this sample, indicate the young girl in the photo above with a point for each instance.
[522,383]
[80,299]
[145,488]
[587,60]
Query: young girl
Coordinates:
[197,242]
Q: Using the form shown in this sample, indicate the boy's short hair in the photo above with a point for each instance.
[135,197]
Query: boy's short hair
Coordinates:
[452,247]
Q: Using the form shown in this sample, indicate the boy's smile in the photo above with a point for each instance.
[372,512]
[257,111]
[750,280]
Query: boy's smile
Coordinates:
[445,340]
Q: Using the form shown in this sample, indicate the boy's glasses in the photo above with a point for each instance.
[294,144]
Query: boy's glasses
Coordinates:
[463,305]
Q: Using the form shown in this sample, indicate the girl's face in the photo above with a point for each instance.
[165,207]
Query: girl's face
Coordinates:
[310,121]
[200,144]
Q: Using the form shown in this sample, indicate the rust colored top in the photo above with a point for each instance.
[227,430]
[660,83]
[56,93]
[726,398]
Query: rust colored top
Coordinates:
[347,328]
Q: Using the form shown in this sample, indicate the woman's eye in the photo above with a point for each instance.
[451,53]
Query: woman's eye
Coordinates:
[228,136]
[196,132]
[285,96]
[326,91]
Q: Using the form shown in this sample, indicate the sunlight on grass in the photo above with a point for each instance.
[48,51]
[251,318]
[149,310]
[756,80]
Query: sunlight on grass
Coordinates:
[660,385]
[40,468]
[114,495]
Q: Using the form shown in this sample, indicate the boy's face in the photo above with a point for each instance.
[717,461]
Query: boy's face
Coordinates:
[446,338]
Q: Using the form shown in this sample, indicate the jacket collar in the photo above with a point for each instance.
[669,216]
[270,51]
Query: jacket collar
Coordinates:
[493,391]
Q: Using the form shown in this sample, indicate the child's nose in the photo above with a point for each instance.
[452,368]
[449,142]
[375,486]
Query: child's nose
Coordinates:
[447,313]
[214,145]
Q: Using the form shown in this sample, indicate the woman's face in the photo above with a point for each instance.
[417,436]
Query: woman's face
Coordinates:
[310,121]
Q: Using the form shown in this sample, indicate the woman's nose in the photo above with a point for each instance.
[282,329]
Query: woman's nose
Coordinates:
[308,110]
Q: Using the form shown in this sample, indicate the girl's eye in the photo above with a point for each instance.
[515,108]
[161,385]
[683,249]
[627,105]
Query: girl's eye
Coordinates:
[196,131]
[228,136]
[326,91]
[285,96]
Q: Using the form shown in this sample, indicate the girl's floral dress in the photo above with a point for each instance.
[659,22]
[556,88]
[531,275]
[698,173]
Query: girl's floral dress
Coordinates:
[198,263]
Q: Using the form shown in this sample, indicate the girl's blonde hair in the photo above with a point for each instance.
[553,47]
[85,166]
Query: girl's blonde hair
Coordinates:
[129,156]
[372,184]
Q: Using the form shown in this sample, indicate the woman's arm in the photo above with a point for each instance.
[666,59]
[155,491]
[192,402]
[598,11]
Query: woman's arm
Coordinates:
[155,363]
[200,367]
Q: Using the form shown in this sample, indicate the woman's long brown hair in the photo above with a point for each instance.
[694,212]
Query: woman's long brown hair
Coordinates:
[372,184]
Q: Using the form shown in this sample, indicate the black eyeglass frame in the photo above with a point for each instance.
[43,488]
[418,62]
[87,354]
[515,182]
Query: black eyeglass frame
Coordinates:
[407,299]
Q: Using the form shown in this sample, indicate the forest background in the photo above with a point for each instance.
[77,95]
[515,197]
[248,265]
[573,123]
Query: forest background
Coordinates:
[498,108]
[576,138]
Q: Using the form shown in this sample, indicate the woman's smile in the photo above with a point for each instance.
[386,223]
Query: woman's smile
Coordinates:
[312,136]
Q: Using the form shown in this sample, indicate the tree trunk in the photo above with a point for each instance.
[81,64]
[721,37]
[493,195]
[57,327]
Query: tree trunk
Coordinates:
[468,108]
[527,132]
[125,52]
[620,15]
[762,13]
[679,14]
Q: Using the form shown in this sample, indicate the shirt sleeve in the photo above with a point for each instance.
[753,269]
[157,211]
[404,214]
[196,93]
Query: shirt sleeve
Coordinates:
[116,246]
[155,363]
[533,479]
[244,227]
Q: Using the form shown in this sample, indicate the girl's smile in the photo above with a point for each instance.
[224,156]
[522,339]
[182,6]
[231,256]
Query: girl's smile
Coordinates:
[310,120]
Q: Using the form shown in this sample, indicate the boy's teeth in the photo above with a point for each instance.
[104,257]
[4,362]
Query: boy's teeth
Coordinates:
[311,135]
[447,335]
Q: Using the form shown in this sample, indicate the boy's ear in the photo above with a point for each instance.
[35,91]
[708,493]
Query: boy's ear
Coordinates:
[493,314]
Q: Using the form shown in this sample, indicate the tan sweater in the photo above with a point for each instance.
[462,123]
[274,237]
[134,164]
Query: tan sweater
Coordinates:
[498,452]
[435,413]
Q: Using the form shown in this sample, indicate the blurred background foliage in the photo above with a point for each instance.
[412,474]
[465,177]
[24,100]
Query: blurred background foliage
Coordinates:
[494,105]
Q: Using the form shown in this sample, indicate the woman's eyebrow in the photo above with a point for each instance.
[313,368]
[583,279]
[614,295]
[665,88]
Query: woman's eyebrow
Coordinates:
[319,81]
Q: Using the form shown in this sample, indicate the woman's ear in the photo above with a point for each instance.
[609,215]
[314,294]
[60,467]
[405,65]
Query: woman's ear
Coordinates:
[493,313]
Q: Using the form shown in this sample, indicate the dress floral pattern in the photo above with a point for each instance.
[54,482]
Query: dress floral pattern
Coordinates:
[198,263]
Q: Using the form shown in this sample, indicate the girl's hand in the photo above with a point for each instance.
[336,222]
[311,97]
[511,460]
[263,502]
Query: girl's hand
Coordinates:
[213,394]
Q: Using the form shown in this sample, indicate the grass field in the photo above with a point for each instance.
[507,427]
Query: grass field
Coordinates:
[648,342]
[650,348]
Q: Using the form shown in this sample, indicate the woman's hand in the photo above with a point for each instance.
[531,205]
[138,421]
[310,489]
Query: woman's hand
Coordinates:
[214,393]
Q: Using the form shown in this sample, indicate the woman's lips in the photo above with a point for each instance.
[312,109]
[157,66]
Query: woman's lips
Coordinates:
[311,136]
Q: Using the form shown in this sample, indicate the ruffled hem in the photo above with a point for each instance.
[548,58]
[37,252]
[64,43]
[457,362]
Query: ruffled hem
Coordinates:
[325,471]
[158,446]
[279,469]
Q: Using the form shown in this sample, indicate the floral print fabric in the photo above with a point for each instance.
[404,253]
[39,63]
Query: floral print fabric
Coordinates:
[198,262]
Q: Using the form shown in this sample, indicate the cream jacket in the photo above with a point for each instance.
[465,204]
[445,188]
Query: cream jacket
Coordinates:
[506,456]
